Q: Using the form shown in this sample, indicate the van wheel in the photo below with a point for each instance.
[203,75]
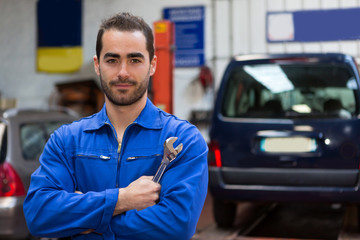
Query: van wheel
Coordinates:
[224,213]
[357,207]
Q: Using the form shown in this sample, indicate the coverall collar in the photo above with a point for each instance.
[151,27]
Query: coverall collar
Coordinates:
[149,118]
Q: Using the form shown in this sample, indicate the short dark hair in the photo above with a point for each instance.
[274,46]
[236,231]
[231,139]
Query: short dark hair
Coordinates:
[126,22]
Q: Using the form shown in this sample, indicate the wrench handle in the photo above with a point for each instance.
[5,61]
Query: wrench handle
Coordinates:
[160,171]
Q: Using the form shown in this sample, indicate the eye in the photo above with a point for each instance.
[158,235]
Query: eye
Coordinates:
[135,60]
[111,61]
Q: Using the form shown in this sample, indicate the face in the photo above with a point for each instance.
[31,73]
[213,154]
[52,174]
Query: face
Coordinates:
[124,67]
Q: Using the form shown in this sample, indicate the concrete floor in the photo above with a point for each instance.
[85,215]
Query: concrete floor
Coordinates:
[207,229]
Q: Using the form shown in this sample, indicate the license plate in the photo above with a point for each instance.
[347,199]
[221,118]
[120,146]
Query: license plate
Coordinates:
[288,145]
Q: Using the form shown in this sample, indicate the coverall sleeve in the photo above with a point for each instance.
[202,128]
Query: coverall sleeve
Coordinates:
[51,207]
[183,193]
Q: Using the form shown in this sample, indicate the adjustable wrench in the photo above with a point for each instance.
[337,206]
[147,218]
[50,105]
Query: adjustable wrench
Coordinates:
[169,155]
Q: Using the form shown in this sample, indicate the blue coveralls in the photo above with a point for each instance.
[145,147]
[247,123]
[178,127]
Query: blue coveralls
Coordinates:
[86,156]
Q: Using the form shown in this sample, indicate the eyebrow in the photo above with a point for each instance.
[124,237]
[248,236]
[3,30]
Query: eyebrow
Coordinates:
[111,55]
[129,55]
[136,55]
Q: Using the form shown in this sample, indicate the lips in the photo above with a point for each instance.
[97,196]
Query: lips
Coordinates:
[123,84]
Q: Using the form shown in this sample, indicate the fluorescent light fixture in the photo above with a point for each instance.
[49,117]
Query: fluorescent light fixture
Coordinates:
[301,108]
[351,83]
[271,76]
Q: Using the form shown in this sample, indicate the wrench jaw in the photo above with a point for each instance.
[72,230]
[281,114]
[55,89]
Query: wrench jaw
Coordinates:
[178,148]
[169,151]
[173,154]
[168,145]
[169,155]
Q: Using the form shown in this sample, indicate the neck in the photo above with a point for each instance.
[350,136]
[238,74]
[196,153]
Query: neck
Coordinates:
[122,116]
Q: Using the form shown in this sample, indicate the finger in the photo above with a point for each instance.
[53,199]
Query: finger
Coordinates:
[147,177]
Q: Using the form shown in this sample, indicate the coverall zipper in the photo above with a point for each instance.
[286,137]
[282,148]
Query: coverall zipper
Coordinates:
[119,152]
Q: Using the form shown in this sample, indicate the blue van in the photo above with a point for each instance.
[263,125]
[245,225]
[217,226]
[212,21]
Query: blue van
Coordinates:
[285,128]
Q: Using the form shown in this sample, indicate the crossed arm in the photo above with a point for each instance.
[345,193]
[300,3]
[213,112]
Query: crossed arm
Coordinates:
[138,211]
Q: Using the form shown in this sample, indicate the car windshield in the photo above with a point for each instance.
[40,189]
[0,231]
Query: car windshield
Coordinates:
[34,136]
[290,91]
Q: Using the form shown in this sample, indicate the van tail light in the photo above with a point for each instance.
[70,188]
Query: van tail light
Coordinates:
[214,156]
[10,182]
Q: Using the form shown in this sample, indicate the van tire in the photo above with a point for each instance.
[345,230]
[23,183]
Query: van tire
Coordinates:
[224,213]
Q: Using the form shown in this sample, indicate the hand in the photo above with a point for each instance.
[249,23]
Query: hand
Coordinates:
[140,194]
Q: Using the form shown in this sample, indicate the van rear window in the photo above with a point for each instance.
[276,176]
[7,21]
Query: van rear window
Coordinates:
[290,91]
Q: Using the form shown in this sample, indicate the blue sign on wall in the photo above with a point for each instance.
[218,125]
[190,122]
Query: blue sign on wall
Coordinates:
[313,25]
[189,35]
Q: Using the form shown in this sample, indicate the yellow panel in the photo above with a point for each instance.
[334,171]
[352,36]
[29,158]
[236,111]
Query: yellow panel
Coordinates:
[160,27]
[59,59]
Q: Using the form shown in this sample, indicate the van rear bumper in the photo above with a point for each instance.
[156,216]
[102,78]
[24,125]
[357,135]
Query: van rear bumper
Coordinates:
[285,185]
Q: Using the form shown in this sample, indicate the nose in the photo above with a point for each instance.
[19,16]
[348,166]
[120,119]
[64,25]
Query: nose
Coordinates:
[123,72]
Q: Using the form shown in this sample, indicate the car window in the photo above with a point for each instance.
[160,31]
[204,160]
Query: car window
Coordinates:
[34,136]
[3,141]
[52,126]
[290,90]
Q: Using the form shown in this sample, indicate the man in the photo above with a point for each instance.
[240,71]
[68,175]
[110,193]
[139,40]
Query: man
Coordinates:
[95,178]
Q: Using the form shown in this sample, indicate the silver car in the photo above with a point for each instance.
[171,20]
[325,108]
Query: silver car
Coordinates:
[23,134]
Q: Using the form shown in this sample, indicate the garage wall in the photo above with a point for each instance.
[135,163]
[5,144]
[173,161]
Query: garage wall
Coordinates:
[18,76]
[231,27]
[242,29]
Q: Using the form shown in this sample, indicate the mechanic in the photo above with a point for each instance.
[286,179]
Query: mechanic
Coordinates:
[95,177]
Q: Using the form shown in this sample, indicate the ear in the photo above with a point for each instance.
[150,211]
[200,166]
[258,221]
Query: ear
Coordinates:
[153,65]
[96,65]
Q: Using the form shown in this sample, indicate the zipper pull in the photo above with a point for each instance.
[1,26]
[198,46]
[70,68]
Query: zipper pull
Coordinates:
[119,148]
